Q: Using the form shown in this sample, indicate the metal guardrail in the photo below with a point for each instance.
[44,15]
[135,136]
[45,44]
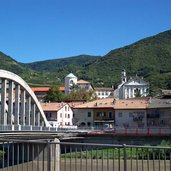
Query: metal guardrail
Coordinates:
[32,128]
[149,131]
[60,156]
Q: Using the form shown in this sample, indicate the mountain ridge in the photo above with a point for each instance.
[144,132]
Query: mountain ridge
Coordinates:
[149,58]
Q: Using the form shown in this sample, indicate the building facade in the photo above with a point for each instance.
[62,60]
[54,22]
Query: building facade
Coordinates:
[96,113]
[103,92]
[159,113]
[130,88]
[83,117]
[70,82]
[131,113]
[41,92]
[58,114]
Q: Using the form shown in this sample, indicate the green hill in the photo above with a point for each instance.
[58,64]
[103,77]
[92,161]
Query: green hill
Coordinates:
[149,57]
[57,69]
[7,63]
[32,77]
[59,64]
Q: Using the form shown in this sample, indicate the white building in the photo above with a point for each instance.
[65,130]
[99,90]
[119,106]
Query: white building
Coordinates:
[131,88]
[71,83]
[58,114]
[102,93]
[84,85]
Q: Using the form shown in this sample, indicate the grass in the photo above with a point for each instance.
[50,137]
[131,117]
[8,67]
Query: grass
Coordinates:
[109,153]
[117,153]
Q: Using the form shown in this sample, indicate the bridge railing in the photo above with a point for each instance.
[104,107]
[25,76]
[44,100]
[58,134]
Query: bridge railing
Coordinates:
[145,131]
[6,128]
[20,155]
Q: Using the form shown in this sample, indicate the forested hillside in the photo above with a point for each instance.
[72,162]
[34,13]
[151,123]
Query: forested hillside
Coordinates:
[149,58]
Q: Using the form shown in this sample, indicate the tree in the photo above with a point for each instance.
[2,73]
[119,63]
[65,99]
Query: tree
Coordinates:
[81,95]
[54,94]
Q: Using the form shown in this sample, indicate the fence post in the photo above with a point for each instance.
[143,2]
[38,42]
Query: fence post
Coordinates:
[48,156]
[125,157]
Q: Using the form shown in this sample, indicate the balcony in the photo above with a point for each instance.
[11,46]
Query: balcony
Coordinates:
[138,118]
[153,115]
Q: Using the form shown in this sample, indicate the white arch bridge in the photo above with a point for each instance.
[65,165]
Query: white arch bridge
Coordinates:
[19,107]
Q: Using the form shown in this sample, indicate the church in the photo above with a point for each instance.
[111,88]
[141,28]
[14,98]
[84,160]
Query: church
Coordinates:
[134,87]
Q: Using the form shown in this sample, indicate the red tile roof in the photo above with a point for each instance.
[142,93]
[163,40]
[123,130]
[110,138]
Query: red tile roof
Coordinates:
[100,103]
[116,104]
[82,82]
[45,89]
[62,88]
[40,89]
[131,104]
[52,106]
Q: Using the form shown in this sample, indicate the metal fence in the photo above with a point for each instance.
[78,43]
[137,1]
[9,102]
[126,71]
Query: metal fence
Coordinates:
[63,156]
[132,131]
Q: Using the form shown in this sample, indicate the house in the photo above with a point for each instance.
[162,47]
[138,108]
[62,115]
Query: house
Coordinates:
[72,83]
[58,114]
[159,112]
[41,92]
[165,94]
[103,92]
[134,87]
[84,85]
[96,113]
[130,112]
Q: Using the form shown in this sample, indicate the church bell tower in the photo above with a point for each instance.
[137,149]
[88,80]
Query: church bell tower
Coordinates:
[123,76]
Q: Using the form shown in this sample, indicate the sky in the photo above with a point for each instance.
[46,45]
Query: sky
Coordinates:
[36,30]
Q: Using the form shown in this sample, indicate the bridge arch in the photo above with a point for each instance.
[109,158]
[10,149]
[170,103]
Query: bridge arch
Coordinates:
[18,103]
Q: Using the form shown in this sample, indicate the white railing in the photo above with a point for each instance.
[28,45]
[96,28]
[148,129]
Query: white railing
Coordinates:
[157,131]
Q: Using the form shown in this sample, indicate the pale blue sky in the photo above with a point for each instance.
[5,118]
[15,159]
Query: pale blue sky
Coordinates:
[35,30]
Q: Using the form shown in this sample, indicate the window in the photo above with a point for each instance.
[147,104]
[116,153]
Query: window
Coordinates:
[101,114]
[89,114]
[106,93]
[65,108]
[68,115]
[88,124]
[60,115]
[130,115]
[120,114]
[71,82]
[48,115]
[110,115]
